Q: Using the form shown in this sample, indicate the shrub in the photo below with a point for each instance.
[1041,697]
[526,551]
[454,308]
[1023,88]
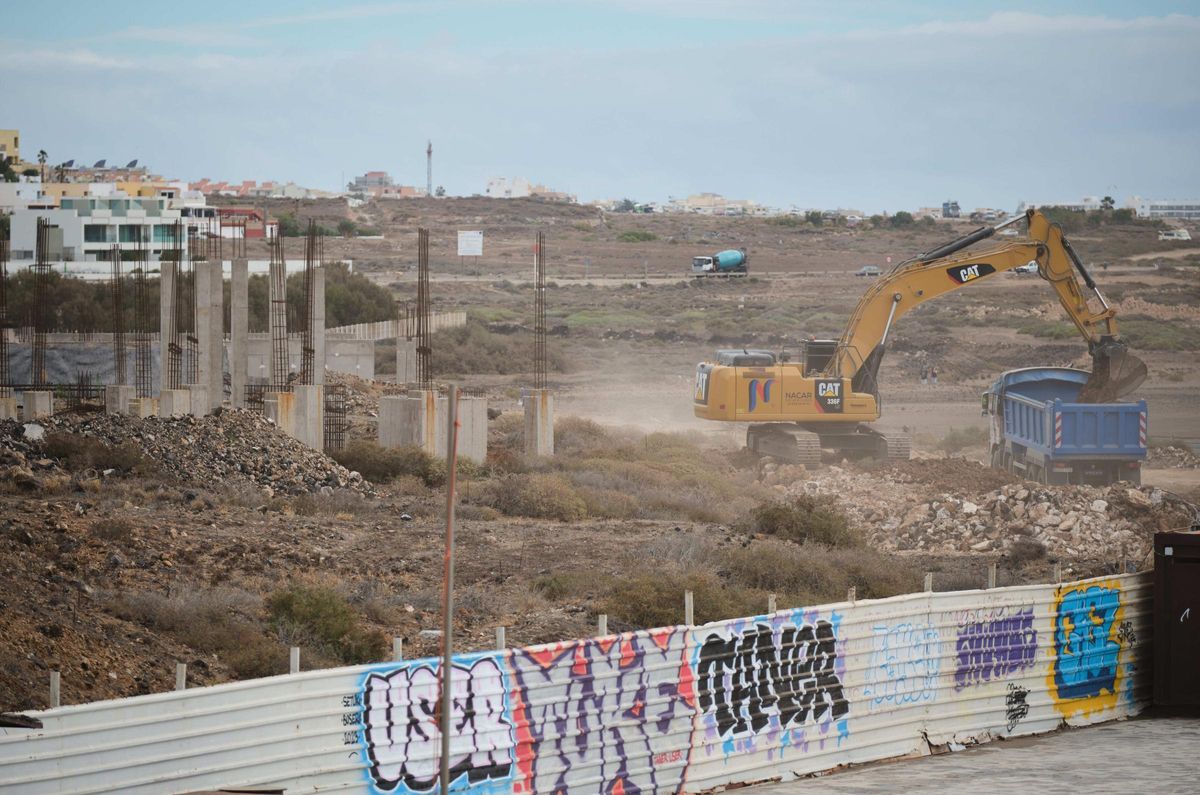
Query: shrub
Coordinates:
[814,573]
[803,518]
[475,349]
[1026,550]
[539,496]
[385,464]
[637,236]
[78,452]
[655,599]
[323,617]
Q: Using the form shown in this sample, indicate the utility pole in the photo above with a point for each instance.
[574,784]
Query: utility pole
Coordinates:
[429,170]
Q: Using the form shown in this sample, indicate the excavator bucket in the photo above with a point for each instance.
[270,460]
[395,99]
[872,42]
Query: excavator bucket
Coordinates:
[1115,373]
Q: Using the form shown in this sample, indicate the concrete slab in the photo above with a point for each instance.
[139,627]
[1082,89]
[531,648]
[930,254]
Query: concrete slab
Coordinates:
[198,400]
[406,361]
[117,398]
[1142,755]
[417,419]
[472,428]
[36,405]
[280,407]
[143,407]
[174,402]
[308,415]
[8,408]
[539,423]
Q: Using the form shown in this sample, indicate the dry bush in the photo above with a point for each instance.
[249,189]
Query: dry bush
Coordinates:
[342,501]
[804,518]
[322,617]
[647,599]
[540,496]
[219,620]
[475,349]
[566,585]
[814,573]
[1024,551]
[383,464]
[958,439]
[112,529]
[576,435]
[83,452]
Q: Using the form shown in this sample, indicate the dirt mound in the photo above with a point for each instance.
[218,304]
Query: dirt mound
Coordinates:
[230,448]
[1172,457]
[949,474]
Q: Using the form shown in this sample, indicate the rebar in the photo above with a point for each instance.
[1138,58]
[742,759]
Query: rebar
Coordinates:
[41,274]
[118,324]
[143,363]
[307,352]
[175,324]
[539,312]
[424,363]
[336,419]
[278,319]
[4,325]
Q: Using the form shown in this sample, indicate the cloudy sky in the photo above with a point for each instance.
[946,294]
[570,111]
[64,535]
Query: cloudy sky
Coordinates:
[873,105]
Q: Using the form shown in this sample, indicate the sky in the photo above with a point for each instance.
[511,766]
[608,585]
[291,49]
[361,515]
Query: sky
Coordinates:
[877,106]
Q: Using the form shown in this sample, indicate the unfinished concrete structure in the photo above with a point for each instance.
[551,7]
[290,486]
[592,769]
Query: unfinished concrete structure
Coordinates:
[539,423]
[539,402]
[174,402]
[36,404]
[415,419]
[118,398]
[166,322]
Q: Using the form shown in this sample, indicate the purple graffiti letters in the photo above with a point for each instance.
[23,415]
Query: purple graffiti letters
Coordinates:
[607,715]
[995,648]
[744,679]
[401,731]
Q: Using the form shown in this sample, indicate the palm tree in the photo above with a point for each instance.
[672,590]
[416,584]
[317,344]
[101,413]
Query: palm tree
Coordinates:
[42,161]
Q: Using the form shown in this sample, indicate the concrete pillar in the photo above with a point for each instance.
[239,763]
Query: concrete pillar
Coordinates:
[166,320]
[539,423]
[318,328]
[406,361]
[36,405]
[216,330]
[308,421]
[239,330]
[281,407]
[143,407]
[8,407]
[174,402]
[415,419]
[204,323]
[473,428]
[273,269]
[198,400]
[117,398]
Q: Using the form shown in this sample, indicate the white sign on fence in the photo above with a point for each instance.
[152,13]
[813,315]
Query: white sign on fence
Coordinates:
[470,244]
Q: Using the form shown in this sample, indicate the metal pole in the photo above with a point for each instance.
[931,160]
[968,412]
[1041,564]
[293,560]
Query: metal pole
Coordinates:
[448,585]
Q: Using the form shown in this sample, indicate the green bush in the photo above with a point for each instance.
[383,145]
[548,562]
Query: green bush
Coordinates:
[323,617]
[636,236]
[812,573]
[474,349]
[804,518]
[385,464]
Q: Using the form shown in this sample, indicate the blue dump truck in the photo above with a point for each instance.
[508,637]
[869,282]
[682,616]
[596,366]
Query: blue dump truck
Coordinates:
[731,262]
[1040,432]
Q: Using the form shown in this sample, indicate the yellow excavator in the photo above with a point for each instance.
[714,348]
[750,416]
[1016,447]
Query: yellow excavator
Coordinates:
[826,398]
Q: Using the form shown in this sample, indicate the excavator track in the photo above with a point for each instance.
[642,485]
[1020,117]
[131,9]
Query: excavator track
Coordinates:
[895,446]
[786,443]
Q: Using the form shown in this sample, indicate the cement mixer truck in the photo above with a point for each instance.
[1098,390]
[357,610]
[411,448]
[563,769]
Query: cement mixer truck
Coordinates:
[731,262]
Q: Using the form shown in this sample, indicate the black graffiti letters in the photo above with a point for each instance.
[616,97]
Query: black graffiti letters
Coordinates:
[744,679]
[1015,706]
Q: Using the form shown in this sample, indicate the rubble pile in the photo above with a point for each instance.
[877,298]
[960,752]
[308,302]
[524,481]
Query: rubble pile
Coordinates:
[1172,457]
[899,511]
[232,447]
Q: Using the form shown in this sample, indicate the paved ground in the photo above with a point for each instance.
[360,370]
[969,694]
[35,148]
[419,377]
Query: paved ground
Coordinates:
[1151,756]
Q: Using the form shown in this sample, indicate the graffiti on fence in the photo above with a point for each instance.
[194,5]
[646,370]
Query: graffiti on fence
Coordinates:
[1015,705]
[604,715]
[771,677]
[904,665]
[1086,674]
[994,646]
[400,735]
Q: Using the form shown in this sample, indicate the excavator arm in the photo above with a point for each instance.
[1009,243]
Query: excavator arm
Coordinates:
[967,261]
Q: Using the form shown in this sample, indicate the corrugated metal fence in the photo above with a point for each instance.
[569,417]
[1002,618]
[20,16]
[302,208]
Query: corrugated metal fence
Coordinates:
[665,710]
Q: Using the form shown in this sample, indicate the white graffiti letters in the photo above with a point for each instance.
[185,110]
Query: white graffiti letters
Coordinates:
[904,665]
[401,731]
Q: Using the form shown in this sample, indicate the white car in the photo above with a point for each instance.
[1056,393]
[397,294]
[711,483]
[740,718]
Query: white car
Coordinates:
[1028,267]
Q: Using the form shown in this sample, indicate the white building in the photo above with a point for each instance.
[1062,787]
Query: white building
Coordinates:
[1086,204]
[85,229]
[1179,209]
